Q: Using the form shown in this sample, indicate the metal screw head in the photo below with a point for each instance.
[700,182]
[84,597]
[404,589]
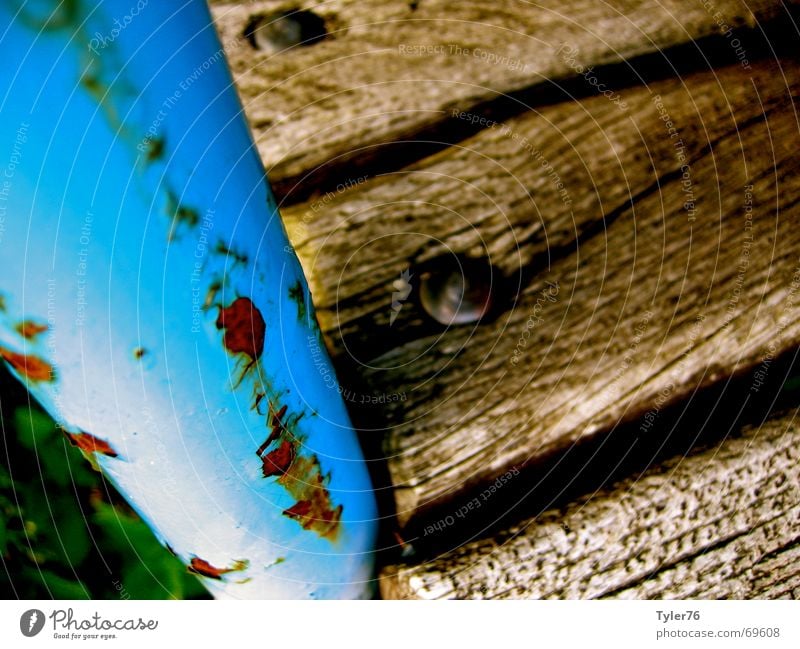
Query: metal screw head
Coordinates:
[457,290]
[277,32]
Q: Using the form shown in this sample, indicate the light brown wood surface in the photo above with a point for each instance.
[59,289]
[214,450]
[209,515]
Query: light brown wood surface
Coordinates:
[723,522]
[327,108]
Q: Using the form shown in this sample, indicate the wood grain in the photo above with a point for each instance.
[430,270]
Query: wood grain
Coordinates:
[723,522]
[655,300]
[391,70]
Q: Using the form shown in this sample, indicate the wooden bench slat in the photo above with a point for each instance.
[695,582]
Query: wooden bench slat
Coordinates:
[723,522]
[626,246]
[320,108]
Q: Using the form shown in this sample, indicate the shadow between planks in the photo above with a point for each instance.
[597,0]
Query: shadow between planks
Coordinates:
[391,72]
[721,522]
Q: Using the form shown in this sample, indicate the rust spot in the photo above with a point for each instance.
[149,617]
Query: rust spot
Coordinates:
[299,510]
[244,328]
[311,516]
[301,476]
[277,462]
[29,329]
[203,568]
[31,367]
[139,353]
[313,509]
[91,444]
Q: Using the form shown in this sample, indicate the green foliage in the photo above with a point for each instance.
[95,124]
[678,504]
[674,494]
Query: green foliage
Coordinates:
[151,569]
[64,532]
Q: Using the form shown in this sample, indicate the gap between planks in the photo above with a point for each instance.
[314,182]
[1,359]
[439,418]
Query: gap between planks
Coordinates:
[331,111]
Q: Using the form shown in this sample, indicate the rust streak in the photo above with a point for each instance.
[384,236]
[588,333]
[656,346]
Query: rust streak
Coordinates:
[30,367]
[278,416]
[277,462]
[91,444]
[203,568]
[299,510]
[259,397]
[301,476]
[277,428]
[313,509]
[29,329]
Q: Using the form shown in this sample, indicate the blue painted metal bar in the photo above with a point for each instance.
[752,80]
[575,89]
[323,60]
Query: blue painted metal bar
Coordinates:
[152,302]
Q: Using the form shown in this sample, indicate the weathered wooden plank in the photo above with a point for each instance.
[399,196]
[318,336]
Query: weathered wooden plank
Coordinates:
[723,522]
[391,70]
[665,285]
